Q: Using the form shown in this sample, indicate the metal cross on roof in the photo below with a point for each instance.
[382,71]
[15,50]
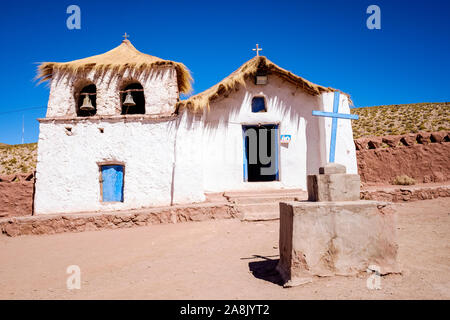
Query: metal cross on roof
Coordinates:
[335,115]
[258,49]
[126,36]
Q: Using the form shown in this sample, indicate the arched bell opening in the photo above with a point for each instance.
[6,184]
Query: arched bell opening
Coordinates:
[87,101]
[132,99]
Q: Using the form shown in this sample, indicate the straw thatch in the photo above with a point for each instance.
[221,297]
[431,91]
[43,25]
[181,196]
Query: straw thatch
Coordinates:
[248,71]
[120,58]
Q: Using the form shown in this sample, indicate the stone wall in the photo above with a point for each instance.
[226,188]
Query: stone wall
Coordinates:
[423,156]
[16,195]
[409,193]
[51,224]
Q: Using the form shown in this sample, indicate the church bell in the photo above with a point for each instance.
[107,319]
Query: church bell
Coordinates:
[87,105]
[129,102]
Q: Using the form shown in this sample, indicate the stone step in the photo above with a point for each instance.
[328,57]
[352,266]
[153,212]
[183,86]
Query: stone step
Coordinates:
[266,199]
[216,197]
[258,205]
[258,211]
[263,193]
[265,196]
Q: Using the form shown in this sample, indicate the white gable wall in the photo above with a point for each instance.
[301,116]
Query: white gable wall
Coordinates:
[288,106]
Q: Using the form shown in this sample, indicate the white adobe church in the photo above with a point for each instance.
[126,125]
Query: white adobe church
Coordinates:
[116,135]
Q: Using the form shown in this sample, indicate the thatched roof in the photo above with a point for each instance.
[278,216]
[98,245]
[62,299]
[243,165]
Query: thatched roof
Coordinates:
[247,71]
[122,57]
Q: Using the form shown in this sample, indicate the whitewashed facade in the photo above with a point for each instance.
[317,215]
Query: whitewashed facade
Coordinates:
[169,157]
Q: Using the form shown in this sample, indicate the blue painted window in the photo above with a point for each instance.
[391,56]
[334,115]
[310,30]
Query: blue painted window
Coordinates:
[112,183]
[259,104]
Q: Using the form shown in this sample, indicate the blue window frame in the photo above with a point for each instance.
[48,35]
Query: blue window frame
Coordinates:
[259,104]
[112,183]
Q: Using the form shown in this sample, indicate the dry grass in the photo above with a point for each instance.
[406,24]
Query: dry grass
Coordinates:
[238,78]
[401,119]
[120,58]
[404,180]
[19,158]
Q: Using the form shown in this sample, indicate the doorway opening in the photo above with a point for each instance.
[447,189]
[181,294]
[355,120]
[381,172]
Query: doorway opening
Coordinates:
[260,152]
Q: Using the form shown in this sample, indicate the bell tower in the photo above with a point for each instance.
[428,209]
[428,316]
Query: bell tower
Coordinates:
[122,81]
[106,116]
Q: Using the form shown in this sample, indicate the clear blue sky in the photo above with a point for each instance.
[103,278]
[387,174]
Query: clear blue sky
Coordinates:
[327,42]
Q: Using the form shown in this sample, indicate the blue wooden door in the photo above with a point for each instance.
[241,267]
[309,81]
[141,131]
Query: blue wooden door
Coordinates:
[112,183]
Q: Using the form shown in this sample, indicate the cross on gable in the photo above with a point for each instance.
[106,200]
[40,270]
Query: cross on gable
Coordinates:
[126,36]
[258,49]
[335,115]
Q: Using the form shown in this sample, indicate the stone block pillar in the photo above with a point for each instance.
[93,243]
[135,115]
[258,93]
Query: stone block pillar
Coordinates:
[335,233]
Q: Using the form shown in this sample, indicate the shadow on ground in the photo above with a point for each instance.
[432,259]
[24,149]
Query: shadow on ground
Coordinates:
[265,269]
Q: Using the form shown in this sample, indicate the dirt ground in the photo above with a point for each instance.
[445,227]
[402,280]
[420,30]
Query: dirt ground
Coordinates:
[223,259]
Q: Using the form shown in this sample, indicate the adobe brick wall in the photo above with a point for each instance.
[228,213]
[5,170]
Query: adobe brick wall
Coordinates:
[79,222]
[422,156]
[406,193]
[16,195]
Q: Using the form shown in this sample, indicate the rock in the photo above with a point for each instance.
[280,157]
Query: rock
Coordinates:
[374,142]
[408,139]
[438,137]
[29,177]
[391,141]
[12,230]
[361,144]
[9,178]
[423,138]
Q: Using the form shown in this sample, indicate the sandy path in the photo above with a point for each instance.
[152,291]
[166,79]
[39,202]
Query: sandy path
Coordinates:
[213,260]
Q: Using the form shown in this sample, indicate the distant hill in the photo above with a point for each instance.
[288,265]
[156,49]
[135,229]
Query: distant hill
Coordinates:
[401,119]
[17,158]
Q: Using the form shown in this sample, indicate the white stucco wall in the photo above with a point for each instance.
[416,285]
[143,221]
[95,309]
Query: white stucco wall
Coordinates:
[188,170]
[289,107]
[345,147]
[178,159]
[67,173]
[160,90]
